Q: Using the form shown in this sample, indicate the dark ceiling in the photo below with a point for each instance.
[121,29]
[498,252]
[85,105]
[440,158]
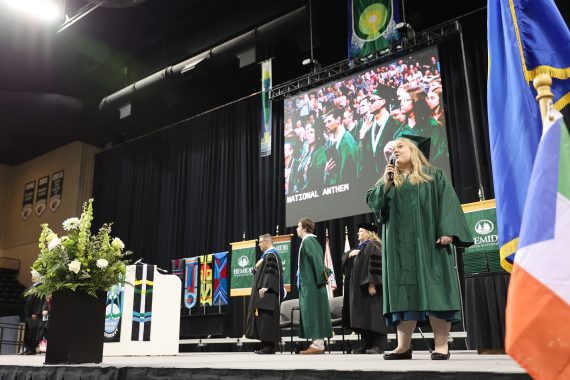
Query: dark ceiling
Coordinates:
[51,83]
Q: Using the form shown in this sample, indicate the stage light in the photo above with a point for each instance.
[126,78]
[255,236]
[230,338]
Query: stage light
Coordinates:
[49,11]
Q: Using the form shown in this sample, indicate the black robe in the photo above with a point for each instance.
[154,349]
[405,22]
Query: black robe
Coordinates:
[366,310]
[264,313]
[347,263]
[34,306]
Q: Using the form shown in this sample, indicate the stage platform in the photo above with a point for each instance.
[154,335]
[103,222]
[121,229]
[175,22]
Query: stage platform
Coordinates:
[245,365]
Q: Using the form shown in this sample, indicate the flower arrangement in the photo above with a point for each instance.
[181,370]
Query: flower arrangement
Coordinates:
[78,261]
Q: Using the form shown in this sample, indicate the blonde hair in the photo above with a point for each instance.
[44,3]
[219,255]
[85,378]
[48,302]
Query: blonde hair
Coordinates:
[417,162]
[373,236]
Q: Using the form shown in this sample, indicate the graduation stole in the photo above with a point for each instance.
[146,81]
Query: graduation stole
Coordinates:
[363,244]
[221,278]
[191,282]
[206,280]
[142,303]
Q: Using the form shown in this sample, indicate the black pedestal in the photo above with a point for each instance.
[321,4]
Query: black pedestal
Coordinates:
[485,303]
[76,326]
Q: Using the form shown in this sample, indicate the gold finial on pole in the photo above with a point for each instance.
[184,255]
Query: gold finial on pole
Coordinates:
[326,232]
[345,230]
[542,84]
[243,237]
[277,230]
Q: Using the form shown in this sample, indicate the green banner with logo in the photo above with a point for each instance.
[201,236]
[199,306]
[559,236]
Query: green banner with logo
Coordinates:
[483,256]
[243,262]
[282,244]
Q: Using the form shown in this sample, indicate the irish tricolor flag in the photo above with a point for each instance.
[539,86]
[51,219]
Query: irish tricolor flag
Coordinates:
[538,305]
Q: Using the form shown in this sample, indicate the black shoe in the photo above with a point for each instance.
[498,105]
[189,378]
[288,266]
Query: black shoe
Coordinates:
[358,351]
[440,356]
[403,356]
[30,352]
[266,351]
[375,350]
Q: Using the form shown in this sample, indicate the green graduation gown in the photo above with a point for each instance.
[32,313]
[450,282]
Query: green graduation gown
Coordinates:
[419,275]
[345,158]
[313,300]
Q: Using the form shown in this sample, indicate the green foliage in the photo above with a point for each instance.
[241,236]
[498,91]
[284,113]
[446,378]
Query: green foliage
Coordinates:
[79,261]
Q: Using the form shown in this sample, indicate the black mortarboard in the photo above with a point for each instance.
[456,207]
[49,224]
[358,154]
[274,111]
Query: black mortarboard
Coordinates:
[368,227]
[423,143]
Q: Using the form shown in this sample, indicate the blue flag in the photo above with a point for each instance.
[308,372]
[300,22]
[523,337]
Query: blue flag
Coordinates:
[525,38]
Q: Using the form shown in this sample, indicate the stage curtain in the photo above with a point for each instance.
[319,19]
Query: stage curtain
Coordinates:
[194,187]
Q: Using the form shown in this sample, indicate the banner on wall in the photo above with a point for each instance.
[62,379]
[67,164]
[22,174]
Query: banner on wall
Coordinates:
[28,203]
[220,278]
[191,282]
[243,262]
[56,190]
[42,195]
[282,245]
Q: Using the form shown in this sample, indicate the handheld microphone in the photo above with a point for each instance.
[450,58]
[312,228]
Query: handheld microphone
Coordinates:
[392,162]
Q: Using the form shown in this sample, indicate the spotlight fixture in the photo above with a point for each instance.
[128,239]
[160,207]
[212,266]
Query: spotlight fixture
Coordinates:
[49,11]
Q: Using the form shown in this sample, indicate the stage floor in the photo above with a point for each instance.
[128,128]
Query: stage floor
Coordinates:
[461,361]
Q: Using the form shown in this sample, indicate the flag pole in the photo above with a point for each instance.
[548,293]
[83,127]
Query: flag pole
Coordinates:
[542,84]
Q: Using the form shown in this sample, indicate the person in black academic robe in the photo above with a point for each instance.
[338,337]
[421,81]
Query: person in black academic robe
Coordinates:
[366,315]
[266,295]
[33,315]
[347,263]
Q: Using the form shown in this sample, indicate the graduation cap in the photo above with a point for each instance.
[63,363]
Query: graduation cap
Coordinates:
[368,227]
[423,143]
[389,94]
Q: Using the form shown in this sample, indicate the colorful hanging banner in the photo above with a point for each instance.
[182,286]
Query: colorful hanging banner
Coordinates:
[114,313]
[178,267]
[243,262]
[282,245]
[221,278]
[372,26]
[265,147]
[191,282]
[206,280]
[142,303]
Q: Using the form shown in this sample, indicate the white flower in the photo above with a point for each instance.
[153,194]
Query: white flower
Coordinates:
[54,243]
[50,237]
[117,243]
[71,224]
[74,266]
[35,274]
[102,263]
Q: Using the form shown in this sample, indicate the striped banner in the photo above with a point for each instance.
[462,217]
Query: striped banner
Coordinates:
[221,278]
[191,282]
[206,280]
[142,304]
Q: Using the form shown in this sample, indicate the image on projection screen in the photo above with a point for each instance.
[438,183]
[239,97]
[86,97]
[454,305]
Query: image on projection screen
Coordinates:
[338,135]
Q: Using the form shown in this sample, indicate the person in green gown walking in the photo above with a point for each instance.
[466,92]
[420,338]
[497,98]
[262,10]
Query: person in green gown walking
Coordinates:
[421,216]
[311,282]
